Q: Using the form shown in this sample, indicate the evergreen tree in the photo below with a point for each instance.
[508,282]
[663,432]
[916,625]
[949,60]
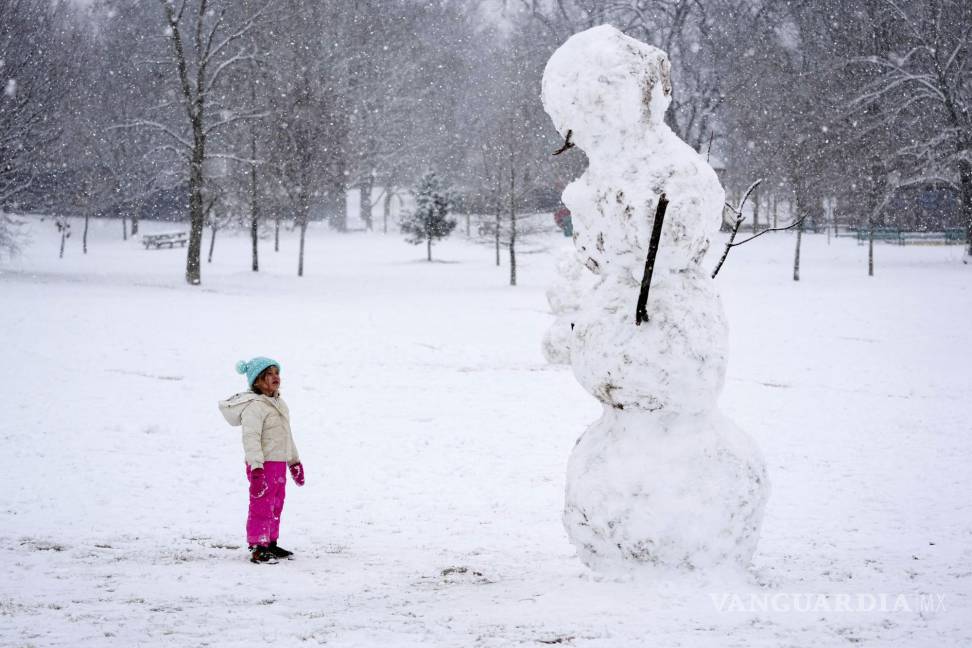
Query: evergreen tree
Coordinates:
[430,219]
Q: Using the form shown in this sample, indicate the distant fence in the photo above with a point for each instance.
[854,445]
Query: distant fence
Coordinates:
[950,236]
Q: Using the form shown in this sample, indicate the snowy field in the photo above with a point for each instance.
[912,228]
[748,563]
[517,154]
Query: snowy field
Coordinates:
[435,439]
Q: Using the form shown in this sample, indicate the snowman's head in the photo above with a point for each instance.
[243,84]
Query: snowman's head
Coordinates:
[603,85]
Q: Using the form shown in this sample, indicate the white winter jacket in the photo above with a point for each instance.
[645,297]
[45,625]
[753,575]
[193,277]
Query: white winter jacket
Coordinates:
[266,427]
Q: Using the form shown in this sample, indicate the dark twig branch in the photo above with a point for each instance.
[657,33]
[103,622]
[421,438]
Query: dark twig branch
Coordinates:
[772,229]
[725,253]
[641,312]
[750,190]
[735,228]
[567,143]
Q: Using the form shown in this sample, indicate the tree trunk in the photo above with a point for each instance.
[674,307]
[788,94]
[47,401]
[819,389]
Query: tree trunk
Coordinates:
[340,205]
[512,248]
[499,221]
[965,181]
[756,209]
[364,204]
[196,211]
[512,223]
[84,235]
[804,206]
[870,251]
[386,210]
[300,258]
[775,207]
[833,215]
[796,256]
[302,217]
[124,228]
[428,236]
[468,224]
[136,213]
[254,208]
[212,244]
[63,239]
[827,226]
[276,233]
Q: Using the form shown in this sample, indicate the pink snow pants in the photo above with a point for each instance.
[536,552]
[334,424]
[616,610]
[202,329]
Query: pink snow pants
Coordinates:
[263,520]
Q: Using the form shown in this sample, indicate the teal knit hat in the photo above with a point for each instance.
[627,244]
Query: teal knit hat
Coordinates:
[254,367]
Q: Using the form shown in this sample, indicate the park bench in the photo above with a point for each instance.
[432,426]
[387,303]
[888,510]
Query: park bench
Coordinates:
[170,240]
[487,228]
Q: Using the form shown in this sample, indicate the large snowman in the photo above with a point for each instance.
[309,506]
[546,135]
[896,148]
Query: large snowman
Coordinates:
[662,478]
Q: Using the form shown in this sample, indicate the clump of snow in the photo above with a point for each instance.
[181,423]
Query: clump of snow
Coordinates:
[564,296]
[662,478]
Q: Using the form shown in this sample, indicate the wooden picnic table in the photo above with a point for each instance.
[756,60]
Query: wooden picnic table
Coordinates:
[166,239]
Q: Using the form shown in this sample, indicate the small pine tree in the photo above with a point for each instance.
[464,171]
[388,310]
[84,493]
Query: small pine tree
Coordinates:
[430,219]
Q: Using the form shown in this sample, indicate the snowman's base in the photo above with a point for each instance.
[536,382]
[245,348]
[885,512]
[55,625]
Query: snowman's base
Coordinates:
[679,493]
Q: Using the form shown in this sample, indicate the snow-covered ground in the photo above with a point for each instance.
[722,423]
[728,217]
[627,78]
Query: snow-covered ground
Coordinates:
[435,439]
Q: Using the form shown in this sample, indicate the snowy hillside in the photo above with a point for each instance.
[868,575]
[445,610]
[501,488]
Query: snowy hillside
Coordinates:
[435,439]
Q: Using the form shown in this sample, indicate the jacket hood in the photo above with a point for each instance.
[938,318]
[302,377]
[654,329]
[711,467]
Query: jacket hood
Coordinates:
[232,408]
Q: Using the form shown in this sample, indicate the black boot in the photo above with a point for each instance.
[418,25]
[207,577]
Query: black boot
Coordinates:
[262,554]
[279,552]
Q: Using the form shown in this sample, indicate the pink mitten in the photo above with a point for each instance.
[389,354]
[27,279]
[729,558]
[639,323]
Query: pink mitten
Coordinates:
[258,483]
[297,472]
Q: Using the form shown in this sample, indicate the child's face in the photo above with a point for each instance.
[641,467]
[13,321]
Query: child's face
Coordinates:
[269,383]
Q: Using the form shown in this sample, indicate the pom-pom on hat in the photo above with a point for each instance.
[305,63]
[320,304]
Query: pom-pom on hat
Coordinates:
[254,367]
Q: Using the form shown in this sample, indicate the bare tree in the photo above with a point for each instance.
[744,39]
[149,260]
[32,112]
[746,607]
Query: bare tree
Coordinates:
[300,157]
[32,83]
[307,135]
[401,70]
[206,40]
[699,38]
[925,88]
[508,168]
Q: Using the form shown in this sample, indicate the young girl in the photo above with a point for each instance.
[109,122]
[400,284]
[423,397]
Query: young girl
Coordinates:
[269,449]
